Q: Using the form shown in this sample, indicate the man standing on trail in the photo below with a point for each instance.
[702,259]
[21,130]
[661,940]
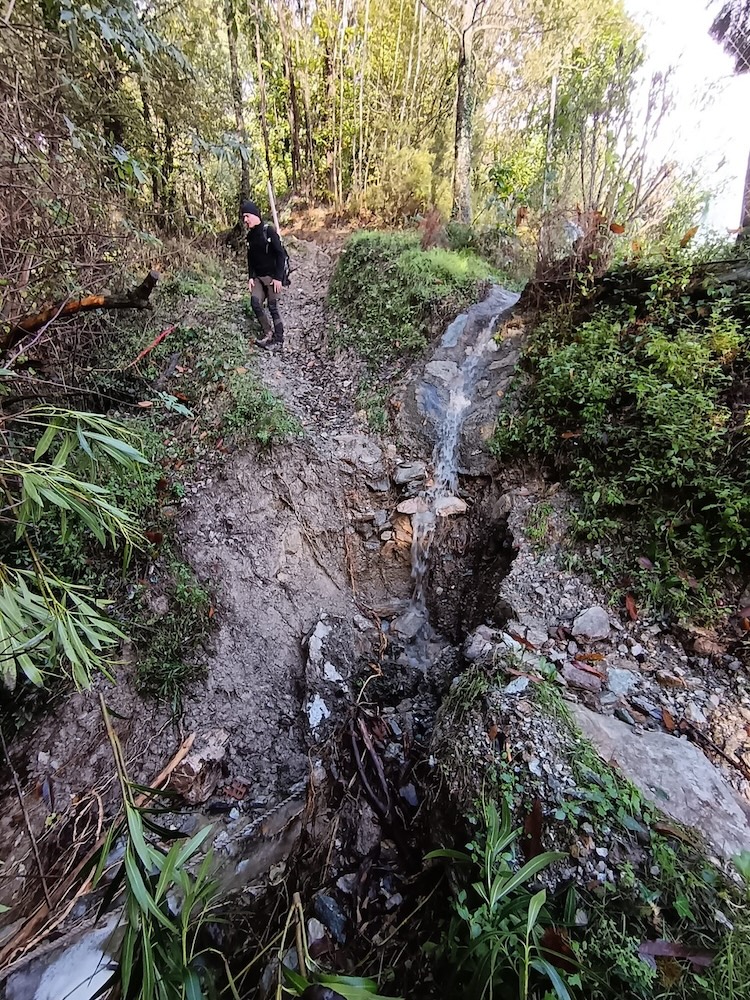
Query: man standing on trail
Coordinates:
[265,269]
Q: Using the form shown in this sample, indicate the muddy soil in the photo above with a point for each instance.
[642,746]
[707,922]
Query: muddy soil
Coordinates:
[322,683]
[306,532]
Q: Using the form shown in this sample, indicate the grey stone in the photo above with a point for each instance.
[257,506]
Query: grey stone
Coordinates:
[409,624]
[409,473]
[534,630]
[581,678]
[409,794]
[644,706]
[315,931]
[592,624]
[676,775]
[624,716]
[368,831]
[621,681]
[694,714]
[638,651]
[330,914]
[517,686]
[478,643]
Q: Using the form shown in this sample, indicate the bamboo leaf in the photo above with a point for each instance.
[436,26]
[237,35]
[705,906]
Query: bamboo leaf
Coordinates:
[46,439]
[85,446]
[547,969]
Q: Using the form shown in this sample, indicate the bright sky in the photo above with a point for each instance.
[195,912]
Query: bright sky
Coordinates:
[708,126]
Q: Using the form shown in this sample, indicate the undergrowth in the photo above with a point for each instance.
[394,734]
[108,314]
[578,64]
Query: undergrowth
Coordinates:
[165,641]
[657,919]
[390,297]
[642,405]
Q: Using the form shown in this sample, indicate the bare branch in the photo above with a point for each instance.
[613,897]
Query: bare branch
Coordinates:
[448,24]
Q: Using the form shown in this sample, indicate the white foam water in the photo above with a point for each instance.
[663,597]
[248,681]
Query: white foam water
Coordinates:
[445,455]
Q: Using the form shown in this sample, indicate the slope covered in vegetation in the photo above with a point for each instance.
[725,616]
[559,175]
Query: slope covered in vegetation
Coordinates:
[636,394]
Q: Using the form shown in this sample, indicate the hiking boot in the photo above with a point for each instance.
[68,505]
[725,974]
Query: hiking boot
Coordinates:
[265,341]
[276,346]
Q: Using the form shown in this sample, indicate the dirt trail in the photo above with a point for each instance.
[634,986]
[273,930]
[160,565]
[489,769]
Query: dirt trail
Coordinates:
[267,532]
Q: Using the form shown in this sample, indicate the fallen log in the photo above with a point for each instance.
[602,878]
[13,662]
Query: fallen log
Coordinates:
[135,298]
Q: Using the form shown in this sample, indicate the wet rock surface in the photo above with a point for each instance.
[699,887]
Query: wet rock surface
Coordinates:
[423,401]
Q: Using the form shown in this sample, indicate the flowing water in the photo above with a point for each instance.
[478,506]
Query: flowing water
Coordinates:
[467,345]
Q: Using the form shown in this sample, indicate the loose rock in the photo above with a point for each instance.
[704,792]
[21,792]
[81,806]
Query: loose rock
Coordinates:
[581,678]
[592,624]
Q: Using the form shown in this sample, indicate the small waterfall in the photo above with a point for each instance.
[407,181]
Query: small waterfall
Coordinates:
[439,497]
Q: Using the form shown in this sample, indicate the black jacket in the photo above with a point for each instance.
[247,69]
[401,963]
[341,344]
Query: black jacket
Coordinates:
[265,258]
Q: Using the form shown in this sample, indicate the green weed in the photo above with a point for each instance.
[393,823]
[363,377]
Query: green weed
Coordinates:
[493,940]
[165,904]
[641,408]
[390,297]
[256,413]
[373,400]
[165,667]
[537,523]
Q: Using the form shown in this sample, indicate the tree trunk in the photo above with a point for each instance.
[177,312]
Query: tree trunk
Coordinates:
[136,298]
[262,95]
[151,147]
[363,77]
[168,189]
[462,211]
[236,88]
[202,184]
[294,110]
[310,177]
[744,236]
[339,162]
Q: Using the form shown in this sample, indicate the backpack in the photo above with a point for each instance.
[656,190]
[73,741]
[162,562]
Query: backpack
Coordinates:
[286,278]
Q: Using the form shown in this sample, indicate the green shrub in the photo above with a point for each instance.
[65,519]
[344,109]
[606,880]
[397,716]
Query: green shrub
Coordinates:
[642,408]
[405,184]
[256,413]
[390,296]
[165,667]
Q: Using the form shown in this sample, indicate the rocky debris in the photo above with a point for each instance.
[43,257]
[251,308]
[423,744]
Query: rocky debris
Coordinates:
[591,624]
[409,472]
[648,678]
[333,918]
[410,624]
[197,776]
[449,506]
[621,681]
[360,451]
[677,776]
[586,680]
[415,505]
[479,643]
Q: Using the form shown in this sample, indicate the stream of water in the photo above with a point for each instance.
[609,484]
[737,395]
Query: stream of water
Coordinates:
[439,498]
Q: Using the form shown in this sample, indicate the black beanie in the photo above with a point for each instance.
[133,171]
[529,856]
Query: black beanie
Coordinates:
[249,208]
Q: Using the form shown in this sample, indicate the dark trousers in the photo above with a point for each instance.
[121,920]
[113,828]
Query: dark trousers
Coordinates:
[263,292]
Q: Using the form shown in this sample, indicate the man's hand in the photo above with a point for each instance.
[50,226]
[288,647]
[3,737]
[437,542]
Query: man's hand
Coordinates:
[276,285]
[251,284]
